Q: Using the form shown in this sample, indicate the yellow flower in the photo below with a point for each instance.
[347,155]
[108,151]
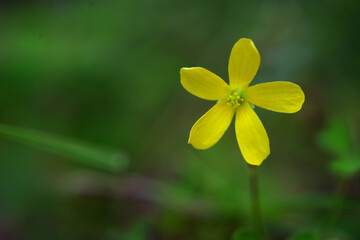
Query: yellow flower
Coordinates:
[238,99]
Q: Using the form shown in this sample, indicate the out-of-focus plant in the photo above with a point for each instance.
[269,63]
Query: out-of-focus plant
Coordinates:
[337,139]
[245,234]
[306,235]
[88,154]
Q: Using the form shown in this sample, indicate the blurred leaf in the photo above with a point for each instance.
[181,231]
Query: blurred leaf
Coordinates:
[335,138]
[245,234]
[346,166]
[104,159]
[137,231]
[306,235]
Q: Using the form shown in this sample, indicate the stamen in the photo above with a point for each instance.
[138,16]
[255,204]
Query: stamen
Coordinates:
[235,98]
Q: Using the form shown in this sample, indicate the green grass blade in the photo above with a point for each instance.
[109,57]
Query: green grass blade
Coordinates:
[88,154]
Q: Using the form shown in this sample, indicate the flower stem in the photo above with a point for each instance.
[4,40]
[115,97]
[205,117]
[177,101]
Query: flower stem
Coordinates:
[255,201]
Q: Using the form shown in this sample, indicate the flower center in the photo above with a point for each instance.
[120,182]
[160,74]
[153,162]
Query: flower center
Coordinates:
[235,98]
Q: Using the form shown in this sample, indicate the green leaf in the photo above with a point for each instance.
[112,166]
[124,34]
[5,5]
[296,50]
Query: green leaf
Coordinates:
[346,166]
[306,235]
[335,138]
[105,159]
[138,231]
[245,234]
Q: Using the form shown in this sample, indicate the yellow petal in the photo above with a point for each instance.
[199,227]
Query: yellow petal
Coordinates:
[203,83]
[244,62]
[283,97]
[251,135]
[211,126]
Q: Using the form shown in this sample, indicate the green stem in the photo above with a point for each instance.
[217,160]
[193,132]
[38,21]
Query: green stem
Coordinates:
[255,201]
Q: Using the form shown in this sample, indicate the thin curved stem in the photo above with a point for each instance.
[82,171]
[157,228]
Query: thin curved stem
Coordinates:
[255,201]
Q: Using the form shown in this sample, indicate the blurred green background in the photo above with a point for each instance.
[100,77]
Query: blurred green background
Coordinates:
[105,74]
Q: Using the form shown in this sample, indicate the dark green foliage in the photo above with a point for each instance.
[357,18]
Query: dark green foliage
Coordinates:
[245,234]
[306,235]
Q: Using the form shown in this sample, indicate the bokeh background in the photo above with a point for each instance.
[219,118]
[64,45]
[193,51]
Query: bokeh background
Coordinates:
[106,73]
